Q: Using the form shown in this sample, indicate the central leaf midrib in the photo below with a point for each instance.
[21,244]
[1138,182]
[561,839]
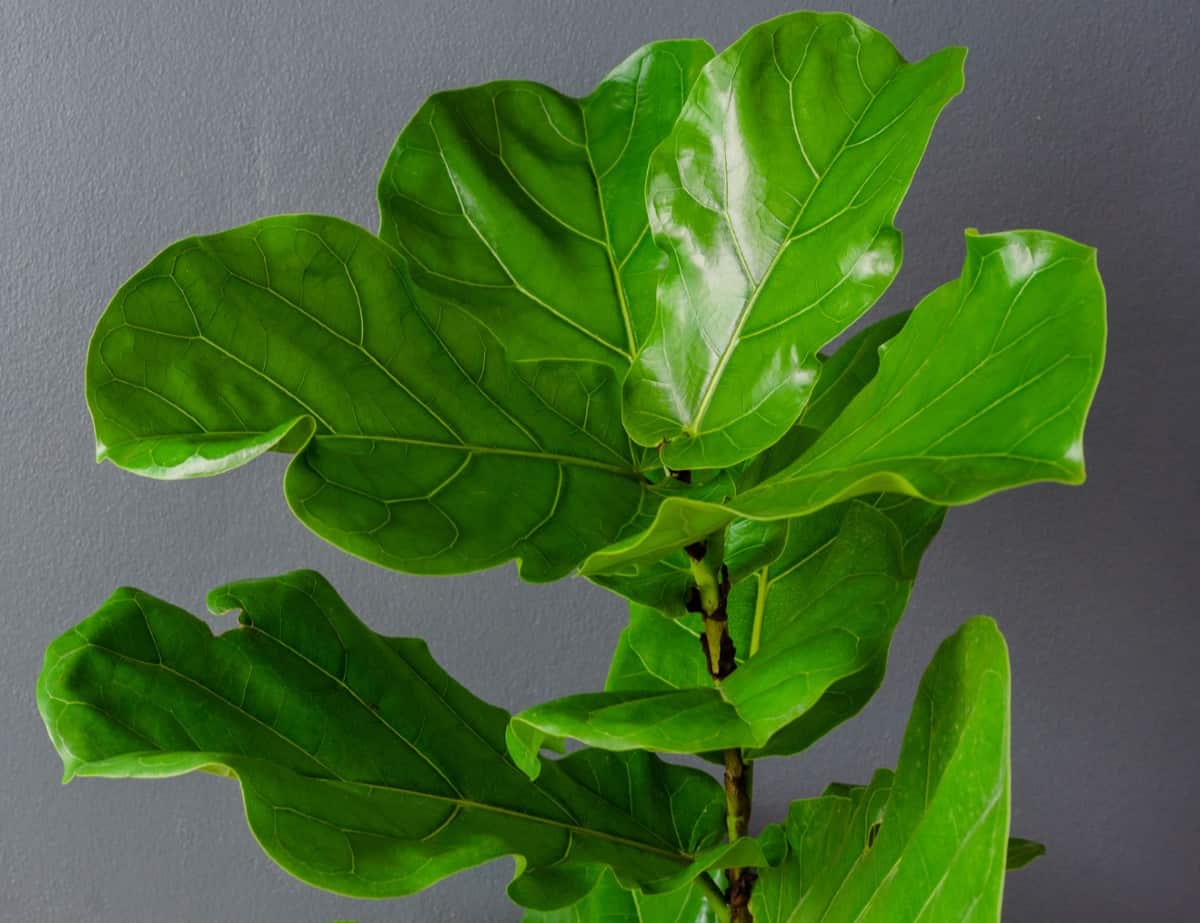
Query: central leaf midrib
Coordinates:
[748,306]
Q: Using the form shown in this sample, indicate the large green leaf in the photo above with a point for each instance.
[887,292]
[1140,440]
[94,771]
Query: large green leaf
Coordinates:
[365,768]
[773,198]
[845,586]
[927,843]
[525,206]
[986,387]
[418,447]
[608,902]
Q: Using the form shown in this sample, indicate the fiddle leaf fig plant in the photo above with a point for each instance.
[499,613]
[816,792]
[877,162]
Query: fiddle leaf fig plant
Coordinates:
[608,337]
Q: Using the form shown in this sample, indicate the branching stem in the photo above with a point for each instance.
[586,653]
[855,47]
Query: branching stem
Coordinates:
[710,597]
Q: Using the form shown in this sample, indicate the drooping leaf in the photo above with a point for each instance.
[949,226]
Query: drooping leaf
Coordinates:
[525,206]
[608,902]
[417,445]
[364,767]
[987,387]
[1022,852]
[835,622]
[927,843]
[773,198]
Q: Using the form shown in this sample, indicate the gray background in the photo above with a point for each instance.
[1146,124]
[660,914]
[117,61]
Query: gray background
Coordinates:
[126,125]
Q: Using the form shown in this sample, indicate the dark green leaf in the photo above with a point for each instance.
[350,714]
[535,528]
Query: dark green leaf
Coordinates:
[418,447]
[846,585]
[1021,852]
[525,206]
[927,843]
[365,768]
[773,198]
[987,387]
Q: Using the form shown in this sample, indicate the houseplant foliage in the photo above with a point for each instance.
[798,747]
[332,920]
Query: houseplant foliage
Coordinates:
[593,337]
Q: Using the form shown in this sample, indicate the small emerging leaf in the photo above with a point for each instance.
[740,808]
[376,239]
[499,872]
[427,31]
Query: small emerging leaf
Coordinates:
[1021,852]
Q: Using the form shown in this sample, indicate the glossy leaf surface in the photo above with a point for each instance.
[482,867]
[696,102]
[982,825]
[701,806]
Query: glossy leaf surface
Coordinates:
[664,583]
[608,902]
[987,387]
[365,768]
[928,842]
[773,199]
[847,586]
[418,446]
[525,206]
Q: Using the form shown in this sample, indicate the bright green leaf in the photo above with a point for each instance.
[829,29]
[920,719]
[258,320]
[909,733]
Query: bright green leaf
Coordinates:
[773,198]
[927,843]
[418,447]
[365,768]
[987,387]
[846,586]
[525,206]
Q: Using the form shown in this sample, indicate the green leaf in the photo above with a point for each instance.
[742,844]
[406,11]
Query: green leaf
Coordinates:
[664,583]
[846,586]
[987,387]
[365,768]
[418,447]
[1022,852]
[525,206]
[773,199]
[608,902]
[927,843]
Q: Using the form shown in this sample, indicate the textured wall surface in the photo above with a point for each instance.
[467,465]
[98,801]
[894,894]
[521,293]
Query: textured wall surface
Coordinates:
[125,125]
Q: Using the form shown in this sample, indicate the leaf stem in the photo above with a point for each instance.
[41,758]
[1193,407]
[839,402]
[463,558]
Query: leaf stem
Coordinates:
[710,597]
[760,607]
[716,897]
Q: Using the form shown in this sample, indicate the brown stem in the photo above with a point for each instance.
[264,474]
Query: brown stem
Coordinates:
[710,597]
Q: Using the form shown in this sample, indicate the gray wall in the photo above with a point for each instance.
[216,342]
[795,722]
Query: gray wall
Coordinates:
[125,125]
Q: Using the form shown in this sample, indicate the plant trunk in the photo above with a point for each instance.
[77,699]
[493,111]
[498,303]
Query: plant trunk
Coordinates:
[710,596]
